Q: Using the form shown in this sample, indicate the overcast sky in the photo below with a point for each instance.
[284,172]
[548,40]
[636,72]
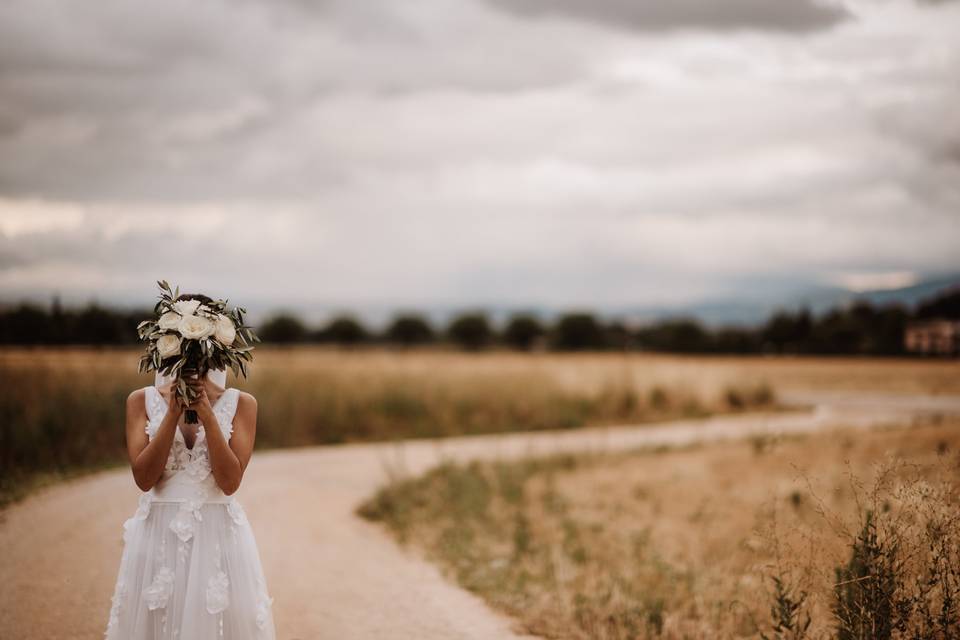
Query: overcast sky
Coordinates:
[559,153]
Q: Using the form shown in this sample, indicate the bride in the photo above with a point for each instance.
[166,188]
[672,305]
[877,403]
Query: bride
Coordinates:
[190,568]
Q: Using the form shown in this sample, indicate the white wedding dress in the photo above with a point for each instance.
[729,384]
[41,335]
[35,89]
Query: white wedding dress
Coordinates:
[190,568]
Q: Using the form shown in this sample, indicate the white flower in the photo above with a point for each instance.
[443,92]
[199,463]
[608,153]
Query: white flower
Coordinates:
[186,307]
[169,320]
[218,597]
[157,594]
[182,524]
[194,327]
[168,345]
[225,331]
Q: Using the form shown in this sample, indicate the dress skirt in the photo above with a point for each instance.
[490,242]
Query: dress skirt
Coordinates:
[190,570]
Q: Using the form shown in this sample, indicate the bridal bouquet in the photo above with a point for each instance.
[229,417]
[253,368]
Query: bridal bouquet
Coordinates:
[189,337]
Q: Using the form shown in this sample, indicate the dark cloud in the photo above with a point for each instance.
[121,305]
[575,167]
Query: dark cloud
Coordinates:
[445,151]
[181,101]
[658,15]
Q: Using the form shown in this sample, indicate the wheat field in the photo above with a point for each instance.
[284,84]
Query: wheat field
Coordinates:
[61,409]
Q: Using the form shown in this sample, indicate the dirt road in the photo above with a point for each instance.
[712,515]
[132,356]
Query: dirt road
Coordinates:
[334,576]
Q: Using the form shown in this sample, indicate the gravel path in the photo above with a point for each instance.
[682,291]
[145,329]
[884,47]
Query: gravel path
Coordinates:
[334,576]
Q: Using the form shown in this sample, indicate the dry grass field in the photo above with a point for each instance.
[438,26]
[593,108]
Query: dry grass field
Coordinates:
[682,543]
[61,410]
[687,543]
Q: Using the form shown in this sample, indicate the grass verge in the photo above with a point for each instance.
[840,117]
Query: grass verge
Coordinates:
[723,541]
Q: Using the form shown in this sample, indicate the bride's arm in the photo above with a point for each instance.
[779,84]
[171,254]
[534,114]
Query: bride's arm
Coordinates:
[228,460]
[148,457]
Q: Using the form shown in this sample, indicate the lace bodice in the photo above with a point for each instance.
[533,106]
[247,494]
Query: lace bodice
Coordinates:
[194,461]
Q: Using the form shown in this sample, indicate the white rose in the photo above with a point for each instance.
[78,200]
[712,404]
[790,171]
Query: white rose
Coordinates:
[225,331]
[186,307]
[195,327]
[169,320]
[168,345]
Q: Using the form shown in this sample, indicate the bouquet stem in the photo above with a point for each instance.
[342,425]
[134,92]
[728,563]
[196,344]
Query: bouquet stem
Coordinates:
[185,392]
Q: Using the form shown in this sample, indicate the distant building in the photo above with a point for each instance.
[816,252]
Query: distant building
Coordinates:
[933,337]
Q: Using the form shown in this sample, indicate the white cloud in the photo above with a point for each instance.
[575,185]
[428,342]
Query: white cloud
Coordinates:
[437,153]
[876,281]
[21,217]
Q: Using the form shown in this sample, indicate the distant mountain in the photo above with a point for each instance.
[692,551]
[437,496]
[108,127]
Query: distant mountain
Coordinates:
[827,298]
[912,295]
[749,311]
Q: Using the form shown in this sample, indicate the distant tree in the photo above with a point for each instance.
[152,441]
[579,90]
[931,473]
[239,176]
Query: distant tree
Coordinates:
[736,340]
[617,336]
[682,335]
[837,332]
[344,330]
[101,326]
[470,331]
[577,332]
[886,331]
[25,324]
[282,329]
[60,323]
[944,305]
[409,330]
[522,332]
[788,332]
[859,328]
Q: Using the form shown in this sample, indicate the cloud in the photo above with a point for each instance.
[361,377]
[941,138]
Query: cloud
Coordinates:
[182,101]
[382,153]
[876,281]
[651,16]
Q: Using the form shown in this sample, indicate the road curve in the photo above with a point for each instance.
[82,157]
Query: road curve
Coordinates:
[332,575]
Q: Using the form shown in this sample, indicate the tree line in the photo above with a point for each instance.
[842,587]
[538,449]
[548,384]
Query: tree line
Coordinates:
[859,328]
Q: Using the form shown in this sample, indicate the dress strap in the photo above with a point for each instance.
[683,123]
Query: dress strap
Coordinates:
[226,409]
[154,403]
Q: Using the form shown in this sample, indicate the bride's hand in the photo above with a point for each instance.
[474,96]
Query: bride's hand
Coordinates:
[202,401]
[174,404]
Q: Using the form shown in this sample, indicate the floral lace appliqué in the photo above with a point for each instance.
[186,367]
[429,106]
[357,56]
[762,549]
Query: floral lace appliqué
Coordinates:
[143,510]
[190,512]
[159,591]
[115,603]
[196,460]
[237,513]
[198,464]
[182,525]
[218,596]
[179,456]
[263,611]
